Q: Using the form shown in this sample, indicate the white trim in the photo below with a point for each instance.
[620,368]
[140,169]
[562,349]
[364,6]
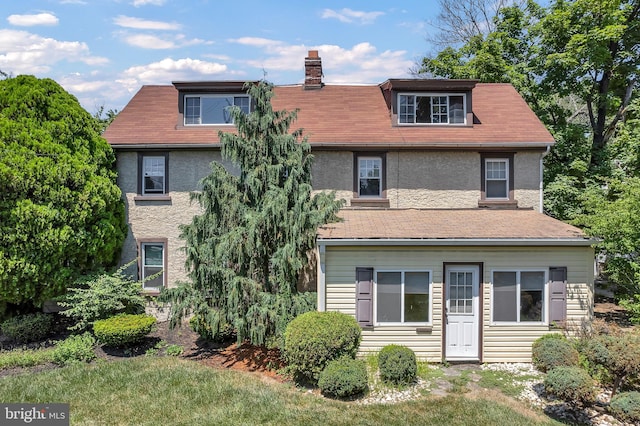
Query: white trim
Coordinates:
[143,247]
[505,180]
[415,95]
[322,276]
[206,95]
[380,172]
[545,297]
[456,241]
[402,272]
[149,158]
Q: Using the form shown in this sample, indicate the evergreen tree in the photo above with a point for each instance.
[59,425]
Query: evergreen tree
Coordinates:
[61,213]
[246,250]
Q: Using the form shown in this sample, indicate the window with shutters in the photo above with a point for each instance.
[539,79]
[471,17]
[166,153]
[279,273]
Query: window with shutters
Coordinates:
[402,297]
[518,296]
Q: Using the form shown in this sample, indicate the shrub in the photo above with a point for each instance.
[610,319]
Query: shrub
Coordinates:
[548,352]
[397,364]
[619,355]
[174,350]
[343,377]
[124,329]
[78,348]
[28,328]
[626,406]
[102,296]
[201,326]
[315,338]
[571,384]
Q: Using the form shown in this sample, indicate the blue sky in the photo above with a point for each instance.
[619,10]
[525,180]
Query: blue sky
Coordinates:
[103,51]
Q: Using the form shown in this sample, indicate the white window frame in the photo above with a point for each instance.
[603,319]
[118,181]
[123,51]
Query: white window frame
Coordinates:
[402,283]
[379,178]
[151,170]
[545,297]
[199,119]
[143,266]
[505,180]
[431,113]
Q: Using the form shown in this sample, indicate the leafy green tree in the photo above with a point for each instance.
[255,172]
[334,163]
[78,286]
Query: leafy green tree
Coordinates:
[104,118]
[576,64]
[246,250]
[60,209]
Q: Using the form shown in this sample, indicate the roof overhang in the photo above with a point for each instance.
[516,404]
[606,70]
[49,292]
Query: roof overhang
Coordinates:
[209,86]
[425,84]
[502,242]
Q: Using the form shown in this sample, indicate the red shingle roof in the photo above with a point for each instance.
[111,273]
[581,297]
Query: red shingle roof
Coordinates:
[340,115]
[454,224]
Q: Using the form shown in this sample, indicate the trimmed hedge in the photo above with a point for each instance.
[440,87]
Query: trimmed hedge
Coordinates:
[313,339]
[572,384]
[397,364]
[626,406]
[550,351]
[28,328]
[343,378]
[123,330]
[78,348]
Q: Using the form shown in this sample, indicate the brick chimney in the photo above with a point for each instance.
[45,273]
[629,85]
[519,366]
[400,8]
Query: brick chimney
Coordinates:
[312,71]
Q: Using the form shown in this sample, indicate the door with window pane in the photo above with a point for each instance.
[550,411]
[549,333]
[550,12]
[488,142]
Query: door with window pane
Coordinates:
[462,312]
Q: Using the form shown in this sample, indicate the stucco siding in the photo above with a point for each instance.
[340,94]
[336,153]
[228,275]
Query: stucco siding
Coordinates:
[161,219]
[428,179]
[500,342]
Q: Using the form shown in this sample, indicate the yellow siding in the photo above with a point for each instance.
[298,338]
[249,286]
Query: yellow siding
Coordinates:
[500,343]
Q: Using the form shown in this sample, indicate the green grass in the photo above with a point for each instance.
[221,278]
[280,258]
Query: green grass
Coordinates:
[175,391]
[25,358]
[507,383]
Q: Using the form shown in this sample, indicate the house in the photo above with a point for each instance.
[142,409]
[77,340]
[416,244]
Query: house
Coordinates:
[443,245]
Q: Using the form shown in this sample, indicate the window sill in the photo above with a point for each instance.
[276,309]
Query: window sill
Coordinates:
[153,293]
[370,202]
[163,197]
[498,204]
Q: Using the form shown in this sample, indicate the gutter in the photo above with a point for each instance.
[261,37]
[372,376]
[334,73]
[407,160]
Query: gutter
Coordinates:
[499,242]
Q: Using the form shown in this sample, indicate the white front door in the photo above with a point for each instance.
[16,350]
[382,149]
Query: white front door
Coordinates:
[462,312]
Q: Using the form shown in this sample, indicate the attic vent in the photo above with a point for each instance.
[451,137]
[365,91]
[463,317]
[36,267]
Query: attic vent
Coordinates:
[312,71]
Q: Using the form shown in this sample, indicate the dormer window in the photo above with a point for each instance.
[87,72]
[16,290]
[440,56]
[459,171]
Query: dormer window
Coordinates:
[433,108]
[213,109]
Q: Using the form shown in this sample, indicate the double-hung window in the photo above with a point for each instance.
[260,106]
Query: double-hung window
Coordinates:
[519,296]
[431,109]
[403,297]
[153,174]
[213,109]
[496,175]
[153,265]
[369,176]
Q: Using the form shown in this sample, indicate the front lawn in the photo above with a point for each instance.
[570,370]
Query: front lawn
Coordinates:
[173,391]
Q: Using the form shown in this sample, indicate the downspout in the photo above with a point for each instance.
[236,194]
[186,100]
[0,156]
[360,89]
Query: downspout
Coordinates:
[322,291]
[544,154]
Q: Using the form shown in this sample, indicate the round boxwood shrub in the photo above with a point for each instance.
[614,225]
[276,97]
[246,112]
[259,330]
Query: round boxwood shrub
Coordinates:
[123,330]
[548,352]
[28,328]
[626,406]
[572,384]
[77,348]
[397,364]
[343,377]
[313,339]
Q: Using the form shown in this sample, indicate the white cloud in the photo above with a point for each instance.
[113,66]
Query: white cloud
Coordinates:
[361,63]
[143,24]
[33,20]
[139,3]
[349,16]
[168,70]
[256,41]
[149,41]
[73,2]
[24,53]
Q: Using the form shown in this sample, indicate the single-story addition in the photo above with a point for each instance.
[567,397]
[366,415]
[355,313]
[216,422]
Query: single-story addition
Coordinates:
[456,284]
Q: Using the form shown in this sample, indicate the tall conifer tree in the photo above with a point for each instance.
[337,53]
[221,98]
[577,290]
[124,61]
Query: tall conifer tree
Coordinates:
[246,250]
